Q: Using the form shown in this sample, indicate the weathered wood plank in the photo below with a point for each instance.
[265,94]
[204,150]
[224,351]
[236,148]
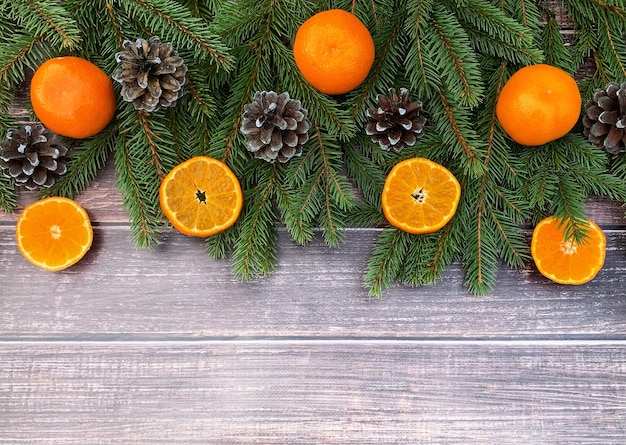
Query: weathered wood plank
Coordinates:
[178,291]
[101,199]
[309,392]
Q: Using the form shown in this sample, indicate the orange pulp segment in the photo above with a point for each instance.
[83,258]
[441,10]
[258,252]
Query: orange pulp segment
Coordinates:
[563,260]
[201,196]
[54,233]
[420,196]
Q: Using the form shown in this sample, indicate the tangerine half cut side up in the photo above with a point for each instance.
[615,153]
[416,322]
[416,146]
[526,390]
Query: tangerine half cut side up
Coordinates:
[564,260]
[420,196]
[54,233]
[201,197]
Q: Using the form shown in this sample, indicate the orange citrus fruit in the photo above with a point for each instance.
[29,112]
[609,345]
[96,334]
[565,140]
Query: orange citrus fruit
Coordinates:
[563,260]
[334,51]
[420,196]
[72,97]
[201,196]
[538,104]
[54,233]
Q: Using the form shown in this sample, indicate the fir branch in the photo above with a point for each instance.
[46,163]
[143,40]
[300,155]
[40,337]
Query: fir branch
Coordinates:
[219,245]
[184,30]
[494,32]
[150,141]
[614,47]
[494,218]
[427,258]
[47,18]
[335,121]
[254,253]
[600,29]
[228,143]
[325,195]
[616,9]
[8,194]
[563,174]
[571,210]
[590,168]
[554,47]
[618,166]
[85,161]
[18,53]
[618,169]
[113,25]
[386,260]
[193,129]
[390,43]
[528,14]
[366,175]
[455,127]
[300,229]
[6,120]
[248,30]
[365,215]
[481,261]
[143,155]
[422,71]
[452,53]
[139,200]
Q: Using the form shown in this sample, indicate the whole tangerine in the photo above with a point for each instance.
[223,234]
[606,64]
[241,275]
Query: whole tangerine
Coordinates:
[72,97]
[538,104]
[334,51]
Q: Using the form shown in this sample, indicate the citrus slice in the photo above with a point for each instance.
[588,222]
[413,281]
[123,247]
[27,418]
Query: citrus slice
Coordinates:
[201,196]
[54,233]
[420,196]
[563,260]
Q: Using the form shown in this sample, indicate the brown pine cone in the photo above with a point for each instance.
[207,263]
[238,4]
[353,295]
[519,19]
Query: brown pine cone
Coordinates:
[604,120]
[32,156]
[275,126]
[152,74]
[396,122]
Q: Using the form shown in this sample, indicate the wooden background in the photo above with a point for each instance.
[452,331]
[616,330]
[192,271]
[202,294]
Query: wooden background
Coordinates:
[166,347]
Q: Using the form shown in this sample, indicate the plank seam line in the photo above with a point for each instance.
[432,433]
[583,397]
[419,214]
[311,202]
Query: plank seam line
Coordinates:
[324,341]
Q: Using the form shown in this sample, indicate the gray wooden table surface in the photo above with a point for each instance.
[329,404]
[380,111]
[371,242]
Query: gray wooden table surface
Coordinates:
[134,346]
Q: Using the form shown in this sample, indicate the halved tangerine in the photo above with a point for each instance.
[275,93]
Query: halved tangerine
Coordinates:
[564,260]
[420,196]
[201,197]
[54,233]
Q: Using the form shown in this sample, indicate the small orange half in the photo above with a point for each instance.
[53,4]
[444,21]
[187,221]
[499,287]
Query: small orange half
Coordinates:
[563,260]
[201,197]
[54,233]
[420,196]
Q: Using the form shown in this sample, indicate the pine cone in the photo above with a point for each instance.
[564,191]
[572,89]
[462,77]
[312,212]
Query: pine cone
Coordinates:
[396,122]
[32,156]
[604,120]
[275,126]
[152,74]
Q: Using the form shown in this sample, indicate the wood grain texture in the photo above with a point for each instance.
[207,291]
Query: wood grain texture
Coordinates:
[178,291]
[309,392]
